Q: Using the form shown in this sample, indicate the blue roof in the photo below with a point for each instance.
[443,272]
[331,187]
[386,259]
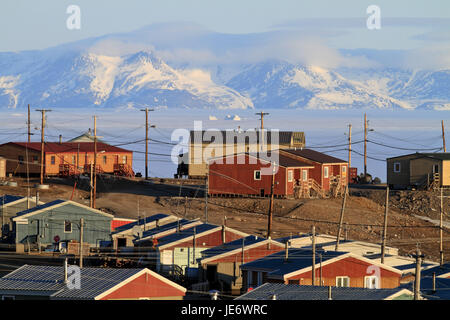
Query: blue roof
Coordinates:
[426,288]
[230,246]
[168,226]
[284,239]
[5,199]
[185,233]
[445,268]
[298,259]
[43,206]
[303,292]
[94,281]
[139,222]
[411,266]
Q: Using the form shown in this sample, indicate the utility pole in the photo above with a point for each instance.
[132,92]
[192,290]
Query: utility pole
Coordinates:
[206,196]
[386,209]
[92,187]
[262,114]
[313,279]
[418,257]
[146,140]
[349,145]
[29,125]
[43,111]
[341,219]
[3,216]
[443,136]
[269,223]
[441,246]
[365,145]
[95,162]
[81,242]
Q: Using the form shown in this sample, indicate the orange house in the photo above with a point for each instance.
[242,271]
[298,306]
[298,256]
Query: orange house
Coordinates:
[65,158]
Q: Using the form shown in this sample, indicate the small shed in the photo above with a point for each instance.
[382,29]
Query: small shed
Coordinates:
[419,170]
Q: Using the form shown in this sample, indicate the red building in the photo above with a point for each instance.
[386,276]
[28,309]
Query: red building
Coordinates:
[220,265]
[245,176]
[65,158]
[330,174]
[340,269]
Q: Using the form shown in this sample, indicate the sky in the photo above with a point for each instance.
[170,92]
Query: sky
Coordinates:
[405,24]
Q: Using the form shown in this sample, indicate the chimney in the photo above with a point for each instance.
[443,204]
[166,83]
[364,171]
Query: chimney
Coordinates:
[223,234]
[60,139]
[286,249]
[434,282]
[329,293]
[65,270]
[37,198]
[89,132]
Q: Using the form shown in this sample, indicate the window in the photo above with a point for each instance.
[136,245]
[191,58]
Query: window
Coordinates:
[371,282]
[20,159]
[257,175]
[35,159]
[305,175]
[290,178]
[325,172]
[124,159]
[74,159]
[344,169]
[52,160]
[104,159]
[67,226]
[397,167]
[342,282]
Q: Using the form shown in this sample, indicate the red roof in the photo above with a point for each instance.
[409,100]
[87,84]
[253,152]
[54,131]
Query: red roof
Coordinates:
[313,155]
[55,147]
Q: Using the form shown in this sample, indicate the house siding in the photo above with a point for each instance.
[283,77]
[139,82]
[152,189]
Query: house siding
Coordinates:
[50,223]
[354,268]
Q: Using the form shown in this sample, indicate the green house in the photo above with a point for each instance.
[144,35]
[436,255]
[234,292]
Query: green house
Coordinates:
[61,219]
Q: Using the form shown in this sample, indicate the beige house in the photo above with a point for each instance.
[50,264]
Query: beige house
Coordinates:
[204,145]
[419,170]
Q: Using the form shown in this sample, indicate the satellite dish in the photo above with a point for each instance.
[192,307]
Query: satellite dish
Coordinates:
[137,231]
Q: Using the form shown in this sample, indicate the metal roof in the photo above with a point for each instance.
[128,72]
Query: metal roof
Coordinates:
[439,270]
[94,281]
[41,207]
[426,288]
[198,230]
[313,155]
[436,155]
[232,245]
[168,226]
[304,292]
[298,259]
[55,147]
[5,199]
[142,221]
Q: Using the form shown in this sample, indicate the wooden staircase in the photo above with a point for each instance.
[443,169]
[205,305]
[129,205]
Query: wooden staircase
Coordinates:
[122,169]
[317,188]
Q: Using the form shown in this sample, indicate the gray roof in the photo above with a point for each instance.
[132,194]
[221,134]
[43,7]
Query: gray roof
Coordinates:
[41,207]
[302,292]
[432,155]
[94,281]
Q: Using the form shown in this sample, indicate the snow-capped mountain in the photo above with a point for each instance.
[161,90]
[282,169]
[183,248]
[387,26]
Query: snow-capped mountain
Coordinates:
[277,84]
[87,79]
[190,67]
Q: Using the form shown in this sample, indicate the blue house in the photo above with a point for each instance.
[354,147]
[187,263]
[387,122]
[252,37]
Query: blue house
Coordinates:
[61,219]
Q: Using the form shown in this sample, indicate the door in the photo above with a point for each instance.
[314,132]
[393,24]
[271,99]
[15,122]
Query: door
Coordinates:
[211,273]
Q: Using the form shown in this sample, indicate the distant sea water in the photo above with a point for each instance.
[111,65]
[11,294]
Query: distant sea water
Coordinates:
[391,132]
